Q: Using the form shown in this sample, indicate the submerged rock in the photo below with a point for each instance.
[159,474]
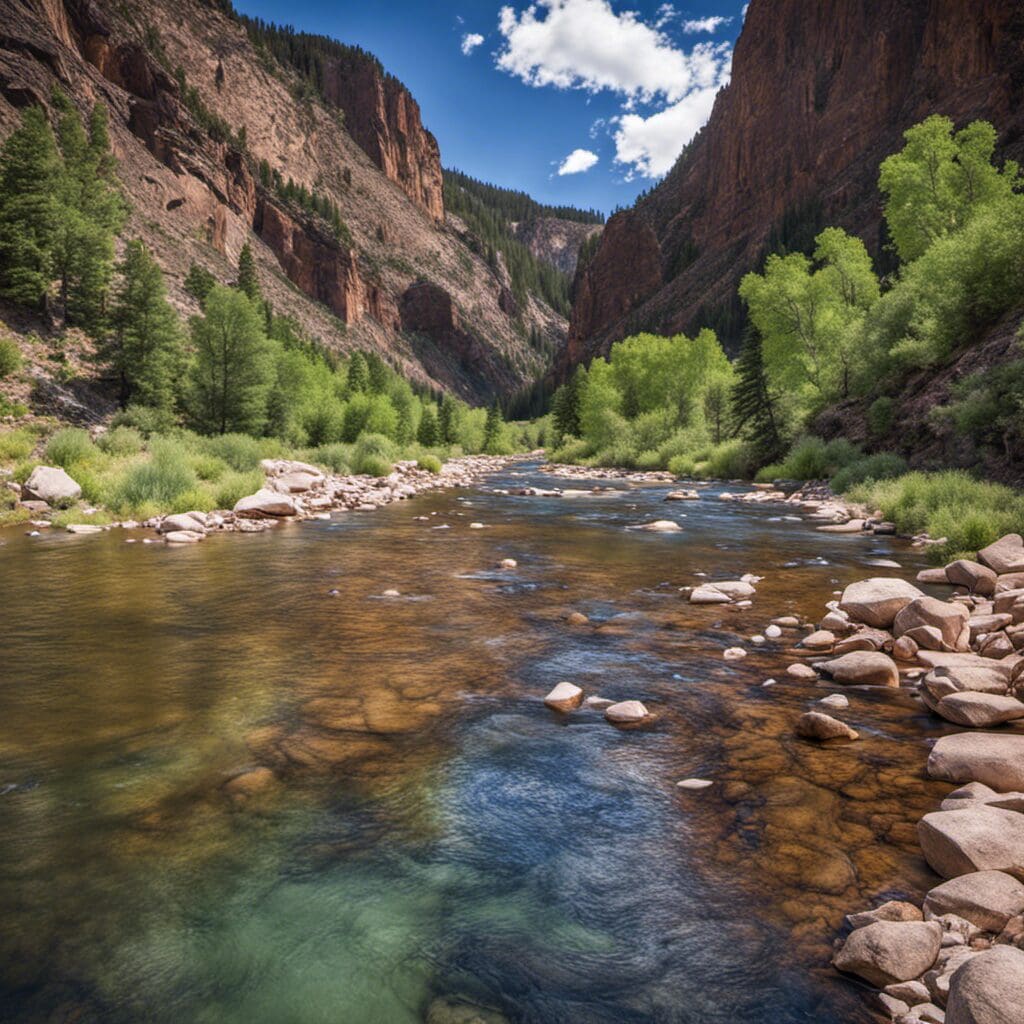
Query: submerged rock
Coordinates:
[661,526]
[815,725]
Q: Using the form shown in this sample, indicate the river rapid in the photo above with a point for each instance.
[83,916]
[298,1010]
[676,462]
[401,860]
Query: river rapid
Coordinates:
[424,840]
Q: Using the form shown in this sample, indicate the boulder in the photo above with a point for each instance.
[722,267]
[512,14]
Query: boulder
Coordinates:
[863,640]
[297,482]
[682,496]
[598,703]
[910,992]
[937,576]
[877,601]
[708,594]
[988,899]
[576,619]
[980,838]
[862,668]
[193,522]
[820,640]
[564,697]
[887,952]
[50,484]
[893,910]
[84,528]
[735,589]
[990,623]
[1009,581]
[815,725]
[836,701]
[988,988]
[265,504]
[995,759]
[184,537]
[905,649]
[1005,555]
[801,671]
[979,710]
[983,678]
[626,712]
[661,526]
[977,578]
[926,614]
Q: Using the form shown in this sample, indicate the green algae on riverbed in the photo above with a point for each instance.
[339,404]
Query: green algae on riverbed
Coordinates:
[430,831]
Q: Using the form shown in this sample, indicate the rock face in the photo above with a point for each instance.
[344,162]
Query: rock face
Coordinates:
[890,951]
[988,989]
[555,241]
[845,80]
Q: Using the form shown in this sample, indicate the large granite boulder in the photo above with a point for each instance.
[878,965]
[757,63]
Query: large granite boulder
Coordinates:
[981,838]
[877,601]
[1005,555]
[927,617]
[988,989]
[979,710]
[988,899]
[886,952]
[266,504]
[52,485]
[862,668]
[996,759]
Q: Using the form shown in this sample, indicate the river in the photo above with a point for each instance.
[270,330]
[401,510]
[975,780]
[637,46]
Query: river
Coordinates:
[432,838]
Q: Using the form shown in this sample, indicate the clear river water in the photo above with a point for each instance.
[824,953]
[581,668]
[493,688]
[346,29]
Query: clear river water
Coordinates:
[424,840]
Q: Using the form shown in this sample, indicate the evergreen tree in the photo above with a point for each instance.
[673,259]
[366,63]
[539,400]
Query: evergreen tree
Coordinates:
[233,369]
[378,373]
[358,374]
[427,435]
[492,430]
[29,175]
[199,282]
[404,432]
[754,408]
[144,349]
[248,282]
[565,408]
[448,421]
[716,408]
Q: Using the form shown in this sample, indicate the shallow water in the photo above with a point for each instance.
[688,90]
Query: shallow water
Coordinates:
[432,836]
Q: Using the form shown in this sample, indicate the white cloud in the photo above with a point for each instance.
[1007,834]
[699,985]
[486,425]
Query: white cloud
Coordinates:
[585,44]
[578,161]
[710,24]
[470,41]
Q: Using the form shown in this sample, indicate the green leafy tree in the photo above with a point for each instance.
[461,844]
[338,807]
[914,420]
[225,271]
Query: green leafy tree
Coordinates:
[358,374]
[233,369]
[938,180]
[492,430]
[427,434]
[248,280]
[144,348]
[30,171]
[199,282]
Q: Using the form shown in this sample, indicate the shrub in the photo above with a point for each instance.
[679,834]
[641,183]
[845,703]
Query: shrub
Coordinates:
[69,446]
[372,455]
[880,416]
[197,499]
[10,357]
[649,459]
[120,441]
[145,419]
[882,466]
[157,482]
[431,463]
[811,458]
[16,444]
[240,451]
[334,456]
[373,465]
[208,467]
[682,465]
[233,485]
[730,460]
[572,451]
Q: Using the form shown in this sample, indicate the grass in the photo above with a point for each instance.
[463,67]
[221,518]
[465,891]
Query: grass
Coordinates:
[969,513]
[16,445]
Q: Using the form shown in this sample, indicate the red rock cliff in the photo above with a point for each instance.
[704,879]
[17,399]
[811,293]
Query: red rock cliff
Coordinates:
[821,92]
[384,119]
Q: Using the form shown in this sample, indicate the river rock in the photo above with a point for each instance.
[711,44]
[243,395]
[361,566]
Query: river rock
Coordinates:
[661,526]
[737,590]
[887,952]
[707,593]
[682,496]
[576,619]
[694,785]
[626,712]
[1005,555]
[184,537]
[773,632]
[815,725]
[52,485]
[988,988]
[995,759]
[973,839]
[905,649]
[801,671]
[508,563]
[866,639]
[84,528]
[927,617]
[937,576]
[249,784]
[819,640]
[877,601]
[564,697]
[979,710]
[836,701]
[988,899]
[892,910]
[977,578]
[266,504]
[598,703]
[194,522]
[296,482]
[734,653]
[862,668]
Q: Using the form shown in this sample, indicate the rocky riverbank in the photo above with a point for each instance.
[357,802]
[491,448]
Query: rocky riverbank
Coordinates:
[292,491]
[959,957]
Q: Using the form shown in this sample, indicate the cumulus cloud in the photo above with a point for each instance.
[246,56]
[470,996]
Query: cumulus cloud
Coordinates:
[587,45]
[710,24]
[470,41]
[578,161]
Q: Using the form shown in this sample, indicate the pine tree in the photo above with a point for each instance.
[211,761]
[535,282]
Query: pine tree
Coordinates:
[144,349]
[427,435]
[565,407]
[448,421]
[248,281]
[199,282]
[754,408]
[358,374]
[378,373]
[492,430]
[404,433]
[233,369]
[29,174]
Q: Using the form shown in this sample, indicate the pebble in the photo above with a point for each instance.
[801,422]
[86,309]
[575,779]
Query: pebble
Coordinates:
[694,784]
[734,653]
[773,632]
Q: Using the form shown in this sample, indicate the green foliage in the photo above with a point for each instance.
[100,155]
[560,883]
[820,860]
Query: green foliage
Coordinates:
[248,280]
[970,514]
[120,441]
[144,349]
[448,418]
[157,483]
[239,451]
[145,419]
[233,369]
[565,407]
[336,457]
[69,446]
[756,405]
[882,466]
[16,445]
[938,180]
[492,431]
[372,455]
[199,282]
[233,485]
[427,434]
[880,415]
[431,463]
[10,358]
[811,458]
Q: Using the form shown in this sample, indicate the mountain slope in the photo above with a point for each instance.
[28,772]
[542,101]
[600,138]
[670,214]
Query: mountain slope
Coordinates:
[820,94]
[219,143]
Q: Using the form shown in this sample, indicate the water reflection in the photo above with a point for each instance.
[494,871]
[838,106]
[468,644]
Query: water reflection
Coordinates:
[226,795]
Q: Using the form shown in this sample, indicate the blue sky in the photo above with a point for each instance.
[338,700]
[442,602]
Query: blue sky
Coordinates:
[575,101]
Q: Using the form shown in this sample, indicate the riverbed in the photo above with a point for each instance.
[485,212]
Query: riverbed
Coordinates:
[240,783]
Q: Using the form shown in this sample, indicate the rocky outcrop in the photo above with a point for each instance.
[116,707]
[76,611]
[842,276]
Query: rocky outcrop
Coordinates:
[820,94]
[384,119]
[555,241]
